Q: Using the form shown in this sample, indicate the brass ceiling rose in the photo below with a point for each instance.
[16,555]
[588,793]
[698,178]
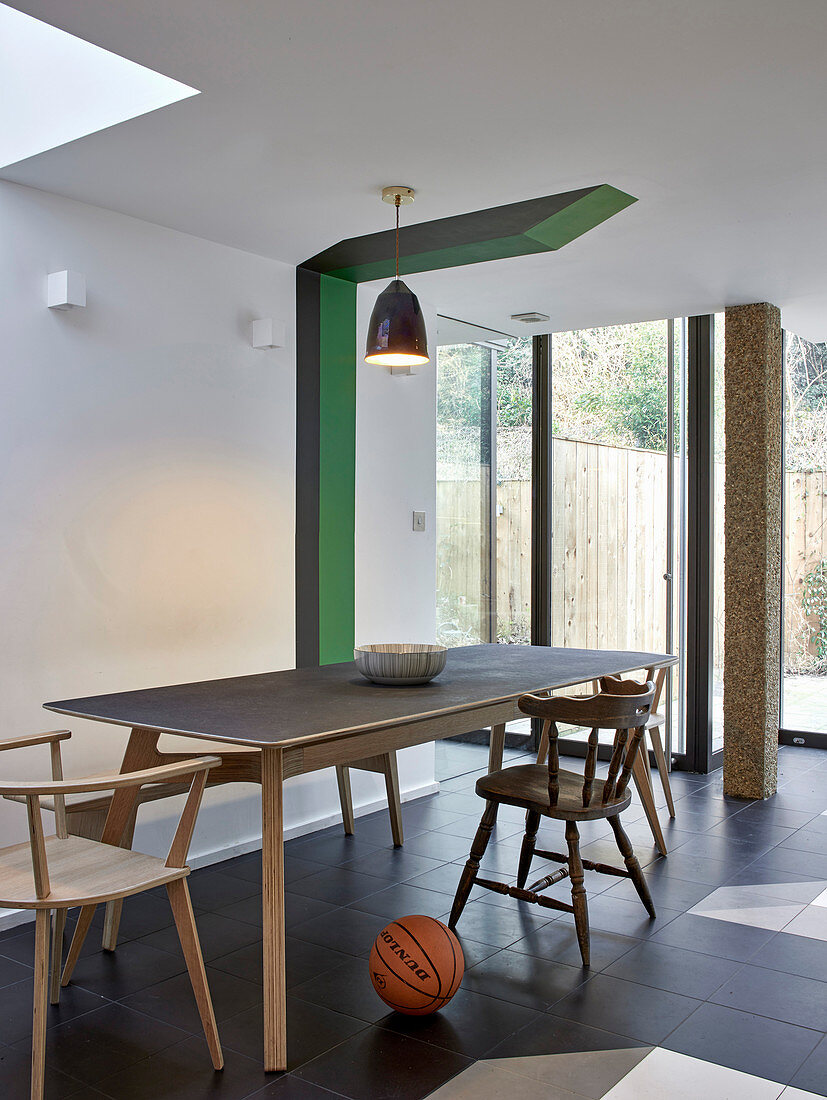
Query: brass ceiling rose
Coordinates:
[397,195]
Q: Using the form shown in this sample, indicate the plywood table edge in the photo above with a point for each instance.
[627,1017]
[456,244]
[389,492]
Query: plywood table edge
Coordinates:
[344,732]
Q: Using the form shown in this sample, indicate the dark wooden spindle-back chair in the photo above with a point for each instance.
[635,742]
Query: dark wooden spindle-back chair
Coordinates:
[549,791]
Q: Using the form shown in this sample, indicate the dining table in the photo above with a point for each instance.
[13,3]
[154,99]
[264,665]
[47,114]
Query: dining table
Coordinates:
[277,725]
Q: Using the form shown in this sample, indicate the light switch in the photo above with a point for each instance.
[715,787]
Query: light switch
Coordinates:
[419,521]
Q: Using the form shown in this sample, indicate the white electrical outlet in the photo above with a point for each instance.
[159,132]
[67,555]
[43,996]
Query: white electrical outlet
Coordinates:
[419,521]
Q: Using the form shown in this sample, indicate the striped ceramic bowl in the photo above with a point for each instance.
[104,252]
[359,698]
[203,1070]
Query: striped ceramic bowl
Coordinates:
[400,663]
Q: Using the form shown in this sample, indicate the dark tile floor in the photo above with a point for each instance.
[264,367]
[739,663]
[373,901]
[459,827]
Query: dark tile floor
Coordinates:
[750,998]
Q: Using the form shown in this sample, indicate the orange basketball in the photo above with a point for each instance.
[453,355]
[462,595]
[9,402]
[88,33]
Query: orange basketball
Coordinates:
[416,965]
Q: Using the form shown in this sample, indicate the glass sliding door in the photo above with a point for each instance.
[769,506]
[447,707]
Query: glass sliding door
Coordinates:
[484,438]
[615,546]
[465,612]
[804,641]
[484,479]
[676,536]
[619,543]
[719,499]
[513,430]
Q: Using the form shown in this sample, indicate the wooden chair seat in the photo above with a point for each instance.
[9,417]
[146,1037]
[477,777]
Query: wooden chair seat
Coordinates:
[78,875]
[526,785]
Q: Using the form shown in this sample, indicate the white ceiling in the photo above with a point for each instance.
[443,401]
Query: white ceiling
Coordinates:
[711,113]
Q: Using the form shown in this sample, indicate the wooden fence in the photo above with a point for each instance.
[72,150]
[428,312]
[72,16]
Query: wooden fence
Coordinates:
[608,553]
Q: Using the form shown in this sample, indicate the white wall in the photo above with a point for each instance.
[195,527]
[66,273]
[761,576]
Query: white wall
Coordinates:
[395,476]
[147,496]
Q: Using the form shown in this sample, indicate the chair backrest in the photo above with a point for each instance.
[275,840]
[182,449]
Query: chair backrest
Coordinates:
[197,767]
[614,685]
[619,712]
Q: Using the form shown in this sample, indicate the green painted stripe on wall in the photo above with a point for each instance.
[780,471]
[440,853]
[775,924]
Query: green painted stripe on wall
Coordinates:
[337,469]
[580,217]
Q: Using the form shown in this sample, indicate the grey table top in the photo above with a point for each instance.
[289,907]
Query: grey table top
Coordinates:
[312,704]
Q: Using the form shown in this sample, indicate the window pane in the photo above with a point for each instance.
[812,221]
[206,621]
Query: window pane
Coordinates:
[610,479]
[804,694]
[718,412]
[513,461]
[462,509]
[609,487]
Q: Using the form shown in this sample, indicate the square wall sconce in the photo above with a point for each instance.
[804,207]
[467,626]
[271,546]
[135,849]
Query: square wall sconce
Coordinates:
[267,333]
[65,290]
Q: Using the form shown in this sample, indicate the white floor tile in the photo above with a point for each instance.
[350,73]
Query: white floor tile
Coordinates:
[760,896]
[772,917]
[587,1073]
[482,1081]
[676,1076]
[790,1093]
[758,906]
[812,922]
[821,900]
[806,892]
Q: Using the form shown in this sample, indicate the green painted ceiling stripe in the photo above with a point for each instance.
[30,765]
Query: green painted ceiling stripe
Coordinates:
[337,469]
[519,229]
[580,217]
[458,256]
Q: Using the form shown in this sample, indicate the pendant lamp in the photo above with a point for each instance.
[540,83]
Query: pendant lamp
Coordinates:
[396,333]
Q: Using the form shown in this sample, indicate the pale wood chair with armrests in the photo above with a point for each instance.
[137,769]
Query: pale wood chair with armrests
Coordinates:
[60,872]
[86,814]
[549,791]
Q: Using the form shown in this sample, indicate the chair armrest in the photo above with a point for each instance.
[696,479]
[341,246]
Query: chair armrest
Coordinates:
[35,739]
[115,780]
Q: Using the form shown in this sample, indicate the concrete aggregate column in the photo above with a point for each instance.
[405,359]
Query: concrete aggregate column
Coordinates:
[752,530]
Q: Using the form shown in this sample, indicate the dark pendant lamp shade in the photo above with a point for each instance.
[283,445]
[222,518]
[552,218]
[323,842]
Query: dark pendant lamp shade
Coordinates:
[396,333]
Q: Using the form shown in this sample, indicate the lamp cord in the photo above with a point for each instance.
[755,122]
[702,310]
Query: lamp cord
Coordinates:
[398,200]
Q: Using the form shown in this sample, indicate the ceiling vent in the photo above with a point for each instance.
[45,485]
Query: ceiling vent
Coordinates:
[530,318]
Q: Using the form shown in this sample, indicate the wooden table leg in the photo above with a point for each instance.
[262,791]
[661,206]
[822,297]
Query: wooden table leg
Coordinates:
[272,906]
[112,918]
[394,800]
[495,748]
[643,781]
[345,798]
[141,752]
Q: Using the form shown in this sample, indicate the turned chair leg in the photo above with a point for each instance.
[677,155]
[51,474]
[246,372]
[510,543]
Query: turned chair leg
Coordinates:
[632,864]
[578,891]
[480,843]
[532,823]
[40,1003]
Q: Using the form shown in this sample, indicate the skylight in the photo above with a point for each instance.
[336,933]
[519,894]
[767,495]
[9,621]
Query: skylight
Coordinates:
[56,88]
